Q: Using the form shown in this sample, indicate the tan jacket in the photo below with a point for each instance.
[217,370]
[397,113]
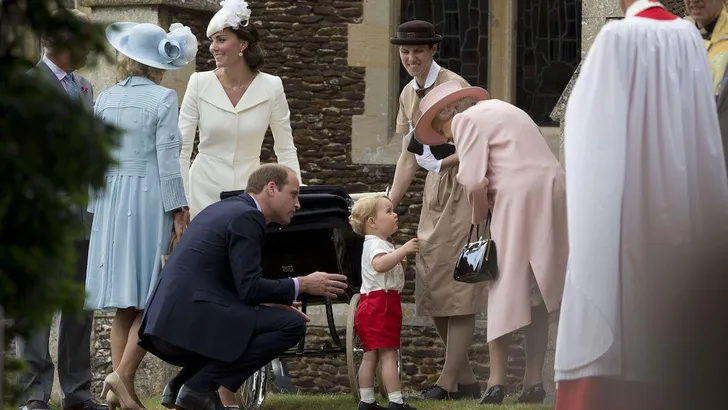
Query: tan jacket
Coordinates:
[409,103]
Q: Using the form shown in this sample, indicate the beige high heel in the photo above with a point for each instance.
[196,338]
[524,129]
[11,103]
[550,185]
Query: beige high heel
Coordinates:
[112,400]
[113,383]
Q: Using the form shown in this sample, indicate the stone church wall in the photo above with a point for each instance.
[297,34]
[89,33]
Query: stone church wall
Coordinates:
[306,45]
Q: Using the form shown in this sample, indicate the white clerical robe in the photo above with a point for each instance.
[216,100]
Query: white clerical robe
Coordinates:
[646,183]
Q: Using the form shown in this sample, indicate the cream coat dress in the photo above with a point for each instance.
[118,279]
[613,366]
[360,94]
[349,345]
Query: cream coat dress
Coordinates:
[506,165]
[231,137]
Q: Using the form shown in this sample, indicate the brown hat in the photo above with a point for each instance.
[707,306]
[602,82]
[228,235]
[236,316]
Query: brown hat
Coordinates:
[415,32]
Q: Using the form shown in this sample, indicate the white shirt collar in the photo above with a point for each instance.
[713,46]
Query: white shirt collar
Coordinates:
[56,70]
[641,5]
[257,205]
[431,76]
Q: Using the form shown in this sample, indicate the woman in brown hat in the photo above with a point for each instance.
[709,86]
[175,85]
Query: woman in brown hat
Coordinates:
[444,219]
[508,168]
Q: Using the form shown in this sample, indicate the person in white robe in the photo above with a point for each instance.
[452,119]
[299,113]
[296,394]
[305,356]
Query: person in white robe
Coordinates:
[646,191]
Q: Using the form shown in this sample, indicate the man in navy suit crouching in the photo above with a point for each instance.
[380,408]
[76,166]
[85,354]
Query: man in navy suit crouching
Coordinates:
[212,312]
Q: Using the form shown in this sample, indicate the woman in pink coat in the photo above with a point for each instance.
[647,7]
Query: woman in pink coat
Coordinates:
[506,166]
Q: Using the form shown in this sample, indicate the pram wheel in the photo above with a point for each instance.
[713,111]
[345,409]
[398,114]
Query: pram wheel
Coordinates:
[355,353]
[251,395]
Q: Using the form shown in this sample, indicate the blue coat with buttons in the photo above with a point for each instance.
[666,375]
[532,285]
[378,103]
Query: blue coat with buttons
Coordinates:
[133,218]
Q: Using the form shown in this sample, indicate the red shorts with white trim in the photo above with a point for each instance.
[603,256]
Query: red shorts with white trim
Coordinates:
[378,320]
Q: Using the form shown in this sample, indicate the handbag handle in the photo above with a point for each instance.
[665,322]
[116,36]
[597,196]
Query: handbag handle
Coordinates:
[477,228]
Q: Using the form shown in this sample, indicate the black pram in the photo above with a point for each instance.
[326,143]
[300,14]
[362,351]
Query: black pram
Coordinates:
[318,238]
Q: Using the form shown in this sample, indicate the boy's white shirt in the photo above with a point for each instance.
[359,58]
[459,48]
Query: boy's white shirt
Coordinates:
[373,280]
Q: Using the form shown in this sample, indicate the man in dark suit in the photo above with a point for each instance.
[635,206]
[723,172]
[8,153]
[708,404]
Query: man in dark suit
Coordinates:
[212,311]
[57,67]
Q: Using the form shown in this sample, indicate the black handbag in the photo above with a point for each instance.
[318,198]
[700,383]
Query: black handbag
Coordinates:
[478,261]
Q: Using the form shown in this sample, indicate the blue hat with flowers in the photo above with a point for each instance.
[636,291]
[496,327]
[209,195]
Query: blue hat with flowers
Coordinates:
[150,45]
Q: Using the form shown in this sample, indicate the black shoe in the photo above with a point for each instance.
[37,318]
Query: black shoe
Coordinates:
[467,392]
[370,406]
[433,392]
[35,405]
[397,406]
[534,395]
[188,399]
[169,395]
[90,404]
[494,395]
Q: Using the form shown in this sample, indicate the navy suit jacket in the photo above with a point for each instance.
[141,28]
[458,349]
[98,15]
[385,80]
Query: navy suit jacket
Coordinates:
[208,295]
[86,97]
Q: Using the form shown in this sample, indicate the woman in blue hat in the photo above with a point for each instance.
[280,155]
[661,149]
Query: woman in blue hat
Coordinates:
[143,196]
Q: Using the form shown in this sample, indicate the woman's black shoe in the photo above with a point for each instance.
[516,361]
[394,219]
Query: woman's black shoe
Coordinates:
[494,395]
[467,392]
[435,392]
[534,394]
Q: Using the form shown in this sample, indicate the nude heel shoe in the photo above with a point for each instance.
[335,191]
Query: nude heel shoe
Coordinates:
[112,400]
[113,383]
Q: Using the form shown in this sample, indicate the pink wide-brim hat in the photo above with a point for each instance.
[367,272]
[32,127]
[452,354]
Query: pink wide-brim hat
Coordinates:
[437,99]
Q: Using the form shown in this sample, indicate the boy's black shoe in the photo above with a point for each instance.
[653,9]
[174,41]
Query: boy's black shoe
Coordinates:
[403,406]
[370,406]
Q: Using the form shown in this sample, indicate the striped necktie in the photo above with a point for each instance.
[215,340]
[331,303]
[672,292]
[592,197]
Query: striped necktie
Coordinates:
[72,88]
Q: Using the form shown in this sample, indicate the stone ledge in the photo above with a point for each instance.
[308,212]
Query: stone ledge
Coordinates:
[204,5]
[317,314]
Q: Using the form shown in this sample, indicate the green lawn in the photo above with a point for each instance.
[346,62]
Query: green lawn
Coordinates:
[345,401]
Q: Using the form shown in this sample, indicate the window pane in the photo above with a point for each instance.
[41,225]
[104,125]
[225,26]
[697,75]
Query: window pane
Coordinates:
[464,26]
[548,52]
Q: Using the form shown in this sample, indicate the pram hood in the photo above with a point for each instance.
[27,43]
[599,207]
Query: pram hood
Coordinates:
[322,206]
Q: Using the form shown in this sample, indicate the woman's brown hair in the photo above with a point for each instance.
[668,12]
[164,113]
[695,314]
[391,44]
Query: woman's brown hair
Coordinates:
[253,54]
[127,67]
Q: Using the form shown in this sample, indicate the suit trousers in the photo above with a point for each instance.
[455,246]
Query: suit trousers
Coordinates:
[275,331]
[74,352]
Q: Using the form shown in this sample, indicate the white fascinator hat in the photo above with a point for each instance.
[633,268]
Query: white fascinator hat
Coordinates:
[233,14]
[150,45]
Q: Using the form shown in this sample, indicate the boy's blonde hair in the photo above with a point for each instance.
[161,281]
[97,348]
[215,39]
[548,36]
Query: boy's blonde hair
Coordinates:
[364,209]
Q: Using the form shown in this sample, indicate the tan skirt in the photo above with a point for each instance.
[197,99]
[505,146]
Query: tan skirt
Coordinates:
[443,230]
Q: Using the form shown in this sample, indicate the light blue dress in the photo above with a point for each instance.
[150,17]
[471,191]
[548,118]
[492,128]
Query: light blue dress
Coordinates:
[133,218]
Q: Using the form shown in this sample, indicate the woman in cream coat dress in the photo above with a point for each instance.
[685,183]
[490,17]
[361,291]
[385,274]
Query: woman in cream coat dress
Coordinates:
[232,106]
[506,166]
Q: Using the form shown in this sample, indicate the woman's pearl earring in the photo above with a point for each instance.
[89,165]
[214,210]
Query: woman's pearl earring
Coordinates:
[240,54]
